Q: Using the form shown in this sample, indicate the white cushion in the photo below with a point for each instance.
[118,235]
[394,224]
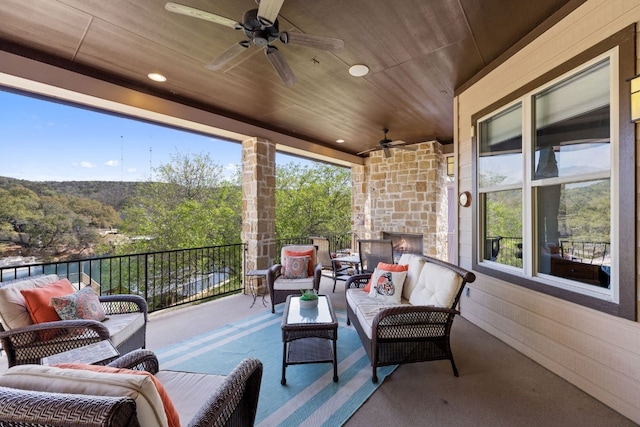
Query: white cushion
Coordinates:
[140,388]
[415,262]
[282,284]
[188,390]
[13,309]
[386,286]
[437,286]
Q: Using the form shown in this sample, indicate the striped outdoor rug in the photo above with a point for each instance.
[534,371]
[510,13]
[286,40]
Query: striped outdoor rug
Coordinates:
[310,398]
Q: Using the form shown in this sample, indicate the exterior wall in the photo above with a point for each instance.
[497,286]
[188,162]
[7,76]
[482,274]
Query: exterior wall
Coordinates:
[597,352]
[405,193]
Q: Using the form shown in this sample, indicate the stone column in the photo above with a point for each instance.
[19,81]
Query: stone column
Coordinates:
[259,202]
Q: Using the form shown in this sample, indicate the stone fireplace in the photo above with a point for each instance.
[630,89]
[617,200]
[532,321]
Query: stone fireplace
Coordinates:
[403,196]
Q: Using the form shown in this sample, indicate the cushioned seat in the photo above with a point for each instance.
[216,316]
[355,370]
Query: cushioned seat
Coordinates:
[51,395]
[27,342]
[407,319]
[282,284]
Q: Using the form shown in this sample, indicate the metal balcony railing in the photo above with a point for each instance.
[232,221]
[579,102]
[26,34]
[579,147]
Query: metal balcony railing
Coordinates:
[165,279]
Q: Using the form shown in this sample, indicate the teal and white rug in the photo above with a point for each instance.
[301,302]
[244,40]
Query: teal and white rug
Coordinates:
[310,397]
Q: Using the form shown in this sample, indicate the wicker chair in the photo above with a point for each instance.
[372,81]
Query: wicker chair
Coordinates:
[280,287]
[29,344]
[232,401]
[374,251]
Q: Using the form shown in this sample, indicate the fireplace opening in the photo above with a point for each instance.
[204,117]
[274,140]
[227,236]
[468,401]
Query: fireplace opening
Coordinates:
[404,244]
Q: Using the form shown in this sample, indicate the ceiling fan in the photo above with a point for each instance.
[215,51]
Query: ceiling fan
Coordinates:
[261,27]
[386,143]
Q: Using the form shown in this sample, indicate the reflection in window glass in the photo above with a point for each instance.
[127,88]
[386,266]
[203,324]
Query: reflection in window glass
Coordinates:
[573,222]
[572,125]
[503,227]
[500,153]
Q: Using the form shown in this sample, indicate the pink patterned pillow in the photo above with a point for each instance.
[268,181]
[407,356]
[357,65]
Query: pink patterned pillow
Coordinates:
[83,304]
[296,267]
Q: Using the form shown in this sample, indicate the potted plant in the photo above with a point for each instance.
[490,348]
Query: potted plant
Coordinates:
[309,298]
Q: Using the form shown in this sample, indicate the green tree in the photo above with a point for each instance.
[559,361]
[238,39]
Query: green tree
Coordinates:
[189,206]
[312,200]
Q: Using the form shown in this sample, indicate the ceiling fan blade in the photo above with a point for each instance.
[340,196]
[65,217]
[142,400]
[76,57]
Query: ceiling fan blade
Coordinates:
[310,40]
[268,11]
[201,14]
[221,60]
[280,65]
[376,148]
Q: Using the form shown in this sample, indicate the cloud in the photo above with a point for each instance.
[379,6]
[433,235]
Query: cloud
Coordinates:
[87,165]
[112,163]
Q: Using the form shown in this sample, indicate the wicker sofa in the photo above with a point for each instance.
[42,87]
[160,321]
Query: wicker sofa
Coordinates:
[27,343]
[36,395]
[418,327]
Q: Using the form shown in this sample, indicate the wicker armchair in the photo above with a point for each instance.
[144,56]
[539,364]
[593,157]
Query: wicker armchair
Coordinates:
[280,287]
[29,344]
[231,401]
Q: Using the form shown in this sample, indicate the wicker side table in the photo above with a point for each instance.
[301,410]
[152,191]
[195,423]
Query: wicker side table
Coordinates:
[309,335]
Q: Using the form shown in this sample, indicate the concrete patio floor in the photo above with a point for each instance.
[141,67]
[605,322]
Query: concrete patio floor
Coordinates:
[497,386]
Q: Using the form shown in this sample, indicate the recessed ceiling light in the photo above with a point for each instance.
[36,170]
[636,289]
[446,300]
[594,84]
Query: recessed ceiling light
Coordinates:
[359,70]
[339,141]
[156,77]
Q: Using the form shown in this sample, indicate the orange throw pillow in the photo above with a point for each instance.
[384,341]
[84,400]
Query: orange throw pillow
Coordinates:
[308,253]
[170,411]
[387,267]
[38,300]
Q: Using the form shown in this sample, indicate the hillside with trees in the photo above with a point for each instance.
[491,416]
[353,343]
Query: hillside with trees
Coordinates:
[188,205]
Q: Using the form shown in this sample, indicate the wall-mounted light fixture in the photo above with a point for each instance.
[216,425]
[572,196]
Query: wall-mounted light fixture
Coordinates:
[635,98]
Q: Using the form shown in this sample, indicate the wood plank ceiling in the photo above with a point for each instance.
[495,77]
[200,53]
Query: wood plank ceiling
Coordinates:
[419,52]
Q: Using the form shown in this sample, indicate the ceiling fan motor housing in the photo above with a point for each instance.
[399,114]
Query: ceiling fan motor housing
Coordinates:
[261,35]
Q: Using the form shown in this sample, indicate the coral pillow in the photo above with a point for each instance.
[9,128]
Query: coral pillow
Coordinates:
[83,304]
[296,267]
[170,411]
[386,267]
[308,253]
[37,300]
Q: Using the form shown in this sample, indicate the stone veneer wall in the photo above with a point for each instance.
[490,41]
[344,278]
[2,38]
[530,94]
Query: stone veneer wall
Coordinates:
[258,202]
[405,193]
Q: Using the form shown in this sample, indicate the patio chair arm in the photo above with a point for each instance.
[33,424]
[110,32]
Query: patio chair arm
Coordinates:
[37,408]
[139,360]
[29,344]
[357,281]
[124,303]
[235,400]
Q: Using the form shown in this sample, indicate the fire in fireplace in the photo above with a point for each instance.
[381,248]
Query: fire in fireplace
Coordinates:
[404,243]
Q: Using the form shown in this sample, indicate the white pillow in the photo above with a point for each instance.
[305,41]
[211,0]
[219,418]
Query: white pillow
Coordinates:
[437,286]
[140,388]
[13,308]
[386,286]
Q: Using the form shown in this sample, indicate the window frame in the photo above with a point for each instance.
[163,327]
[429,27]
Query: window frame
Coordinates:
[624,298]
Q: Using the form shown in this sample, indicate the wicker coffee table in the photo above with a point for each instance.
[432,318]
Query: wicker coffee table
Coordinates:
[309,335]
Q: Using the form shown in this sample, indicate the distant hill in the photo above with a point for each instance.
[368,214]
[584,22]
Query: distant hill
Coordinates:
[111,193]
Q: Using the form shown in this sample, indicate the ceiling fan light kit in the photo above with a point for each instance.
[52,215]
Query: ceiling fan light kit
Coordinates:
[261,28]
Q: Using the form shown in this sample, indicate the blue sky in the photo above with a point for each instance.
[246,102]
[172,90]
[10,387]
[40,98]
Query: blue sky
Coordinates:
[48,141]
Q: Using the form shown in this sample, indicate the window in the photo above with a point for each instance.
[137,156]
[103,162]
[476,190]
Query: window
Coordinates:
[548,178]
